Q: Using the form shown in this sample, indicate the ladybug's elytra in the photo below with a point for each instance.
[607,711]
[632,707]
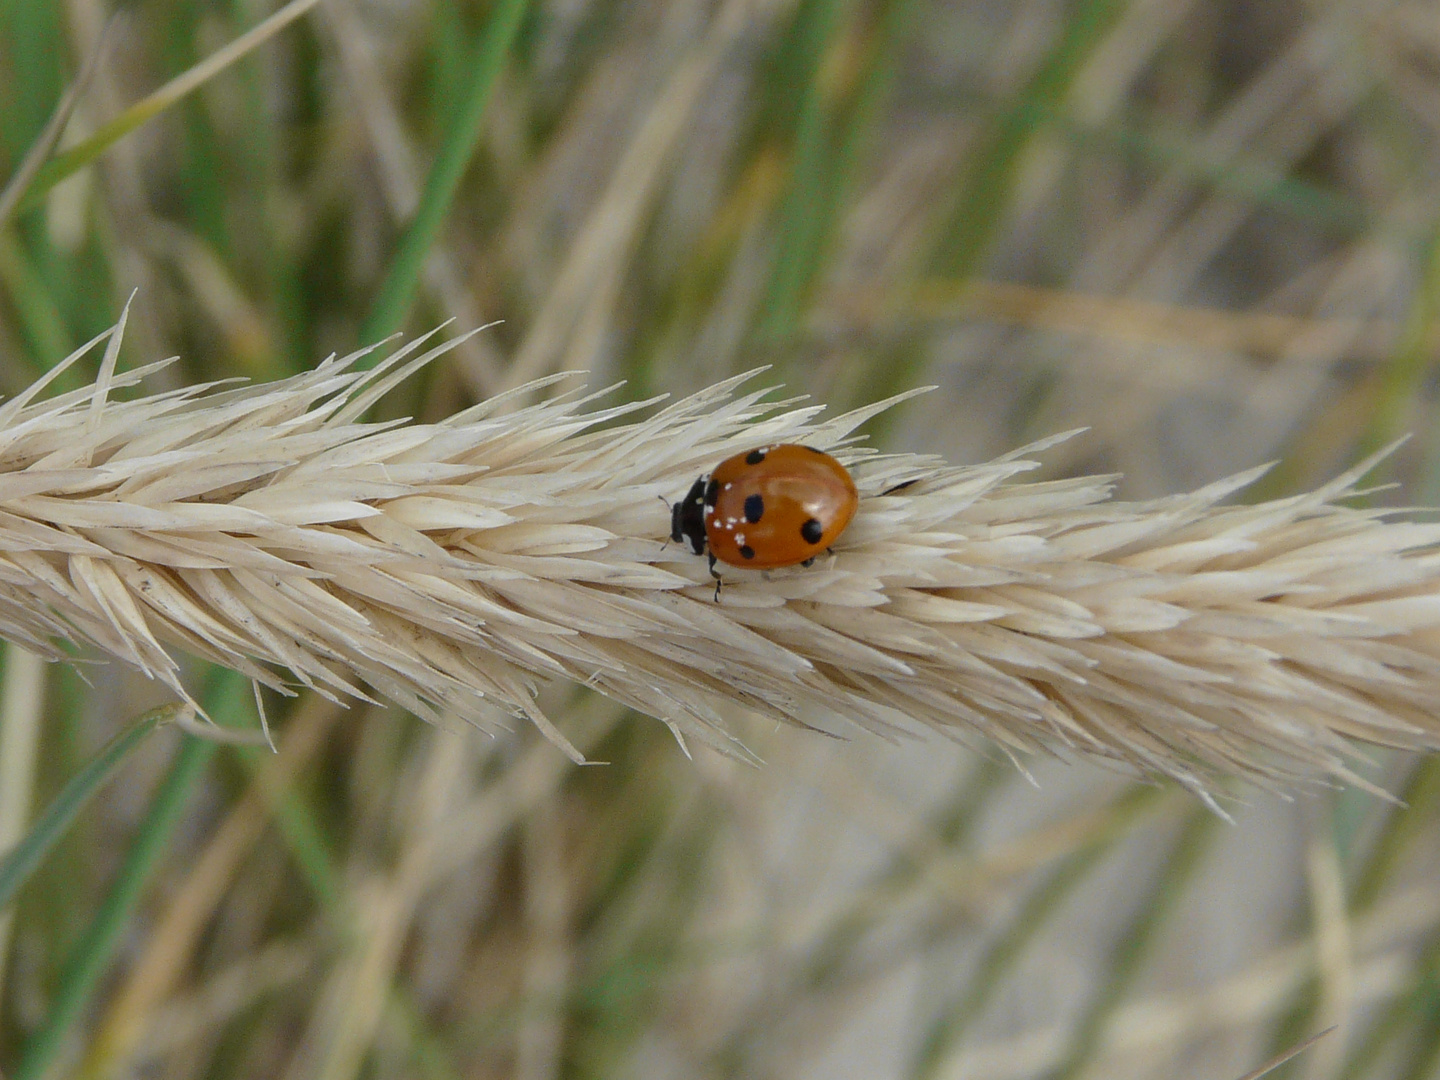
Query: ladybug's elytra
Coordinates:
[772,506]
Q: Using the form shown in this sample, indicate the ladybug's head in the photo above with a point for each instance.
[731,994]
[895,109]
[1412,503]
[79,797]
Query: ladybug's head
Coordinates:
[687,518]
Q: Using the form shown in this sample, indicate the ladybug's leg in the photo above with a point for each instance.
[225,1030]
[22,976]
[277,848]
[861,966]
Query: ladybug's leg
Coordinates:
[809,562]
[718,579]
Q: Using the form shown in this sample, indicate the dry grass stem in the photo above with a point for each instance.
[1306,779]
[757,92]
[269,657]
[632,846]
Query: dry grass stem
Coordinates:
[1119,319]
[172,943]
[449,566]
[1160,1024]
[22,711]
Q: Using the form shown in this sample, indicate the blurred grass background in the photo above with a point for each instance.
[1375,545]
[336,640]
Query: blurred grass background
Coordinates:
[1204,228]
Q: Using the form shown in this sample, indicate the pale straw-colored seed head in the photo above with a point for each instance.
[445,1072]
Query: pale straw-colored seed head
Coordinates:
[451,566]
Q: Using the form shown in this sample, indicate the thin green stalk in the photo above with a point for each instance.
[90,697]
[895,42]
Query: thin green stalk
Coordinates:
[954,826]
[1243,176]
[1411,363]
[202,162]
[307,844]
[987,191]
[879,75]
[803,208]
[641,940]
[984,195]
[430,1056]
[1130,954]
[1417,1010]
[1413,819]
[446,55]
[980,988]
[1425,1057]
[312,853]
[832,965]
[91,958]
[1361,1059]
[955,1019]
[456,150]
[262,176]
[20,862]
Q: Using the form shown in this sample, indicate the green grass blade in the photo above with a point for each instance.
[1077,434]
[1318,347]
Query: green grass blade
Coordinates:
[226,695]
[83,153]
[1407,823]
[309,846]
[456,150]
[830,138]
[1399,1017]
[20,862]
[986,193]
[1387,857]
[33,36]
[36,311]
[1417,1012]
[1125,963]
[805,205]
[999,958]
[836,947]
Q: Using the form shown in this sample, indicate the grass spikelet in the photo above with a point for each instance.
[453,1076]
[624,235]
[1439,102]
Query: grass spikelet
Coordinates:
[449,567]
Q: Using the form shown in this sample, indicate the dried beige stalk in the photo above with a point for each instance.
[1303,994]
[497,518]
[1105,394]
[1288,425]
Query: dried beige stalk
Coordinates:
[447,566]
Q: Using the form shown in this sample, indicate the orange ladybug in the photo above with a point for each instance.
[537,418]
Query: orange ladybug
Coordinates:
[772,506]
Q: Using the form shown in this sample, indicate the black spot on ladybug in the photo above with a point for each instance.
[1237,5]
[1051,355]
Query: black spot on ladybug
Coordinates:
[754,457]
[811,531]
[712,492]
[754,508]
[746,551]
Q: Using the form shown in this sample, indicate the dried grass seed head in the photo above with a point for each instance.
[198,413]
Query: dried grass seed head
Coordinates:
[450,566]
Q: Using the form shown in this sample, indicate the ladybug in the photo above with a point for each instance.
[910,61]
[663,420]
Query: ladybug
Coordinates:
[772,506]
